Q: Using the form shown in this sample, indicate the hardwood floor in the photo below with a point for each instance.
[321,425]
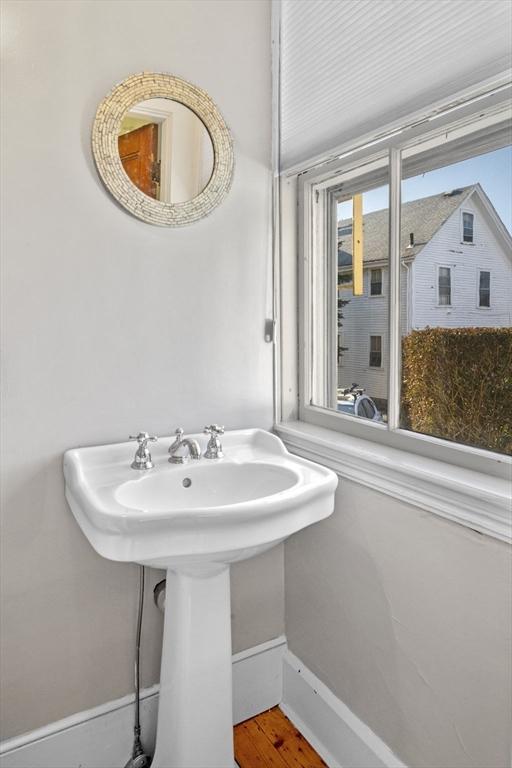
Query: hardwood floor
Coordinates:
[270,740]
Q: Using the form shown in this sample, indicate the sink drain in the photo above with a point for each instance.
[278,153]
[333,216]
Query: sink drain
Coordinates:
[187,482]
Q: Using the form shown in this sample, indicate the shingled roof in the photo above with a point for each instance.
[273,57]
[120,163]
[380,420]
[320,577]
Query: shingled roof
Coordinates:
[423,217]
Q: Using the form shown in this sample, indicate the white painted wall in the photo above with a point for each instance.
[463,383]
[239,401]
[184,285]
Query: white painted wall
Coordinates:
[111,325]
[407,619]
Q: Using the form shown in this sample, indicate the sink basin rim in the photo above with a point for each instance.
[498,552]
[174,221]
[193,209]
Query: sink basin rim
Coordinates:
[194,472]
[122,533]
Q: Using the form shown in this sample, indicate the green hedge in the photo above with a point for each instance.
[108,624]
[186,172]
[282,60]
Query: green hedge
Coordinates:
[457,384]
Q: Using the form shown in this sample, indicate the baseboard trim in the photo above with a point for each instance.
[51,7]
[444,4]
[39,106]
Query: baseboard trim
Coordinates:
[101,737]
[339,737]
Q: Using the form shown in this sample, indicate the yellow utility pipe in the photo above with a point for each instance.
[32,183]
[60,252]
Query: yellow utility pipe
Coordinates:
[357,245]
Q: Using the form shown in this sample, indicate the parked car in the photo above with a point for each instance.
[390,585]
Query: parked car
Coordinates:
[355,402]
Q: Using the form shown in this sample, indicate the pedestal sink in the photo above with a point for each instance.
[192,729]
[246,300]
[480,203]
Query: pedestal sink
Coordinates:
[194,520]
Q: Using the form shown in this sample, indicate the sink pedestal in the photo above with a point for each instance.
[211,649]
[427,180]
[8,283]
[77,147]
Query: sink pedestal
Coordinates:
[194,520]
[195,713]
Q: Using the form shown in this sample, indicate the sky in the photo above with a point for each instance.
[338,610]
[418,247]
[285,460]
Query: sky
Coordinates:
[493,170]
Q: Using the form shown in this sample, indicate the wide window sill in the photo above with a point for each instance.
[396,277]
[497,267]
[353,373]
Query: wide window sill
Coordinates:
[473,499]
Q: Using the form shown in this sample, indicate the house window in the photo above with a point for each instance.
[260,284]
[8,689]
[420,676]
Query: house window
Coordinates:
[484,289]
[376,282]
[467,227]
[444,283]
[375,351]
[362,213]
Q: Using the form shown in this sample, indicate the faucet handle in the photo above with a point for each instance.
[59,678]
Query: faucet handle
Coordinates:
[142,458]
[143,438]
[214,430]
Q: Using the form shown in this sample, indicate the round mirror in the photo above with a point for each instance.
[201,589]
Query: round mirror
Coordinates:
[163,149]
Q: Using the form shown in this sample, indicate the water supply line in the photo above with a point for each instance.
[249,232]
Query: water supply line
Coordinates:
[139,759]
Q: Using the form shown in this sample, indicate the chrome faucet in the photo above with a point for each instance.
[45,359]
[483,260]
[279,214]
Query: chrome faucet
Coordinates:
[142,458]
[214,447]
[176,450]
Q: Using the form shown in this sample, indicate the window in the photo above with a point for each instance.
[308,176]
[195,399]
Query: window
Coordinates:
[375,351]
[444,284]
[376,282]
[484,289]
[467,227]
[394,216]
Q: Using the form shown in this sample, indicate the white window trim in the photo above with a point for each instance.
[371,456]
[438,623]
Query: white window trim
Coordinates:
[472,499]
[478,305]
[450,267]
[472,213]
[467,485]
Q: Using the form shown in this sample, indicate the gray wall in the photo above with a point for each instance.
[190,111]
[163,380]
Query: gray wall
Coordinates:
[111,325]
[407,618]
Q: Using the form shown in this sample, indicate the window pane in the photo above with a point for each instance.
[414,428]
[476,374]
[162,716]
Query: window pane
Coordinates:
[445,286]
[375,351]
[467,227]
[362,306]
[456,359]
[376,282]
[485,289]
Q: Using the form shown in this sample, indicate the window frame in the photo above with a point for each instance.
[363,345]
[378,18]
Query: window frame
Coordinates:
[413,145]
[439,267]
[465,211]
[381,350]
[478,289]
[376,295]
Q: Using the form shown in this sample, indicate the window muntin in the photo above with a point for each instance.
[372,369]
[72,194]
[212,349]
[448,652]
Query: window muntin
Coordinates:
[444,286]
[484,288]
[376,282]
[468,220]
[375,360]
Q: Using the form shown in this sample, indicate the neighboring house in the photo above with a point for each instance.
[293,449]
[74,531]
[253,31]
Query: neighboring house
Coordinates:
[456,271]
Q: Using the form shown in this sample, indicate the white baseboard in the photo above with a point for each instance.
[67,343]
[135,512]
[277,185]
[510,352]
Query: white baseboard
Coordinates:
[102,737]
[338,736]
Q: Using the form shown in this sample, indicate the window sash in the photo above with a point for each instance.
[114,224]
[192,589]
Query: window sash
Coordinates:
[444,281]
[484,289]
[375,352]
[467,227]
[395,158]
[376,282]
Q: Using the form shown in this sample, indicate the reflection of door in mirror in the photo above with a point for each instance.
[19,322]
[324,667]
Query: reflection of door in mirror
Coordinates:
[184,151]
[138,150]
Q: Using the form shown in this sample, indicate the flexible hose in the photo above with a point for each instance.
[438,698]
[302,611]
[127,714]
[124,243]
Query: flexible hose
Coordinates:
[138,758]
[142,576]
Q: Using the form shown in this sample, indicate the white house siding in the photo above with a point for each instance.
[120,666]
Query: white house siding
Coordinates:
[364,316]
[369,315]
[446,249]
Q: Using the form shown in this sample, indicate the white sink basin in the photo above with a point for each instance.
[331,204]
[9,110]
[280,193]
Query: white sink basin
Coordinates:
[203,487]
[195,519]
[206,510]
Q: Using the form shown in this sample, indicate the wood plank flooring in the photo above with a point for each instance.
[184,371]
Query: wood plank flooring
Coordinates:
[270,740]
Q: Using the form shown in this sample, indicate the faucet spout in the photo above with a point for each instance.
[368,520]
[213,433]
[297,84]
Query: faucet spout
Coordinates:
[183,449]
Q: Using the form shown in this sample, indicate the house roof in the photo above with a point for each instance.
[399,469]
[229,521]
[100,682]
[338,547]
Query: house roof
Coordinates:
[423,217]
